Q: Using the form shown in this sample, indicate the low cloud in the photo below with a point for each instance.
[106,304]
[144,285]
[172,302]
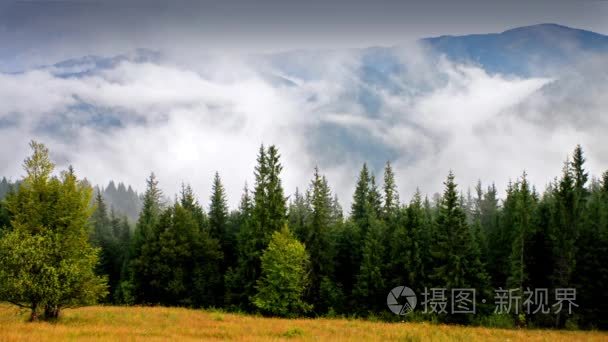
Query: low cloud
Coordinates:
[184,121]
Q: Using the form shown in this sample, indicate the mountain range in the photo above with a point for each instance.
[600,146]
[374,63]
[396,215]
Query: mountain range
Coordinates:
[526,51]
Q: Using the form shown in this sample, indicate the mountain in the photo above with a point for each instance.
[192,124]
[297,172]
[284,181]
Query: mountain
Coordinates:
[536,50]
[525,51]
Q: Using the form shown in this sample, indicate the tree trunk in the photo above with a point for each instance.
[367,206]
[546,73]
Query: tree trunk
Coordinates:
[34,314]
[51,312]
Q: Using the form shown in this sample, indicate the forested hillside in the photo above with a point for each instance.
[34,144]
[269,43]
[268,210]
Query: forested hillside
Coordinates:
[303,255]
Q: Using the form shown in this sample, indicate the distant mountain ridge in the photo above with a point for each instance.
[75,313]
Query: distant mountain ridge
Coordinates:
[524,51]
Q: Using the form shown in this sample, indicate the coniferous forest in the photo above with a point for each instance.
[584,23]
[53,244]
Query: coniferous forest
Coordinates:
[291,254]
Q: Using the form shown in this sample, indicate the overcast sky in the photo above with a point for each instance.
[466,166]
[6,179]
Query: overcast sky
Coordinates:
[42,31]
[185,120]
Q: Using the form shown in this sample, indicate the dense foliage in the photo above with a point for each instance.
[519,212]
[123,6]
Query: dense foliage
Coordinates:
[46,261]
[302,256]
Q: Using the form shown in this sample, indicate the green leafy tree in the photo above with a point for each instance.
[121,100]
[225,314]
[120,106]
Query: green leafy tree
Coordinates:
[281,287]
[46,261]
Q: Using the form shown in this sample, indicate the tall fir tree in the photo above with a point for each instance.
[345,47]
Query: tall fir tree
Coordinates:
[318,241]
[360,204]
[268,214]
[409,246]
[218,214]
[370,287]
[391,194]
[523,228]
[298,214]
[148,218]
[457,260]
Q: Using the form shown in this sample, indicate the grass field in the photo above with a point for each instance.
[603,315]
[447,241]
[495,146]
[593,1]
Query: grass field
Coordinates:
[162,324]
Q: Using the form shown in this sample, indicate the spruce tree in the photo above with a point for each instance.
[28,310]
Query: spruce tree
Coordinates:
[409,243]
[298,214]
[523,228]
[268,214]
[318,242]
[360,204]
[218,214]
[375,198]
[578,172]
[148,218]
[370,288]
[391,195]
[276,201]
[457,262]
[564,228]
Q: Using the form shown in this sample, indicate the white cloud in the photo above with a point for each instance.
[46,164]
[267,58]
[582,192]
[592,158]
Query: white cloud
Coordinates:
[185,122]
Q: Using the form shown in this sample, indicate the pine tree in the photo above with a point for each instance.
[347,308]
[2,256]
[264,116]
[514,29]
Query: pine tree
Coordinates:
[105,237]
[360,205]
[522,230]
[298,214]
[318,242]
[457,262]
[409,246]
[240,269]
[500,237]
[182,260]
[268,214]
[337,215]
[218,214]
[477,225]
[591,274]
[564,232]
[119,278]
[370,287]
[375,198]
[391,195]
[276,202]
[148,218]
[579,173]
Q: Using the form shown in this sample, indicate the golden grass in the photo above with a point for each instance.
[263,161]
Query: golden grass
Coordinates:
[100,323]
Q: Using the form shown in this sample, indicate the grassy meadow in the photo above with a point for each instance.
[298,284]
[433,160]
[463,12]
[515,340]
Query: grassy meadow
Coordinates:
[101,323]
